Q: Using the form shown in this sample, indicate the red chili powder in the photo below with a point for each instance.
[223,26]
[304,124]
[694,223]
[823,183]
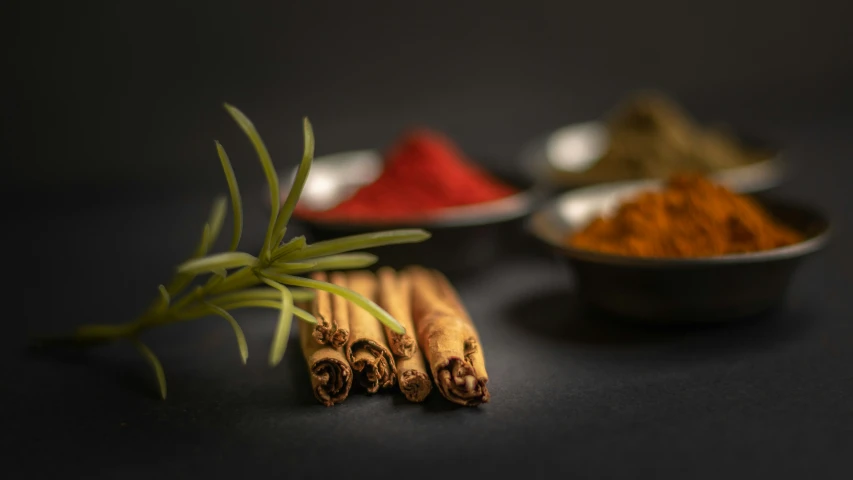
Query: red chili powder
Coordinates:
[424,173]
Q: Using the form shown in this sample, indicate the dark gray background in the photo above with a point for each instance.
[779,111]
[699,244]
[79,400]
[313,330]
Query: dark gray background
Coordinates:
[109,170]
[131,91]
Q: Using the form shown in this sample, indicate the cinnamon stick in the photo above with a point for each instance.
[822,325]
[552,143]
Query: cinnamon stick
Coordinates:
[367,350]
[395,298]
[331,312]
[340,312]
[449,339]
[331,375]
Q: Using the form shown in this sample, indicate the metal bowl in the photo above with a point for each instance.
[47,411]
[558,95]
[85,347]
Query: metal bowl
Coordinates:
[561,159]
[463,238]
[675,290]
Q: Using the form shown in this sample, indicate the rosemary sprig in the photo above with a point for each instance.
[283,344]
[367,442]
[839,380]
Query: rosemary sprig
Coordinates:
[237,279]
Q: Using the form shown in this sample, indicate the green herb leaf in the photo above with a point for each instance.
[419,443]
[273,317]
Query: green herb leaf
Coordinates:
[205,242]
[285,318]
[216,262]
[238,332]
[298,183]
[155,364]
[343,261]
[182,280]
[236,201]
[298,312]
[368,305]
[276,304]
[218,276]
[208,235]
[217,217]
[212,228]
[299,295]
[359,242]
[252,297]
[269,171]
[296,243]
[163,304]
[284,267]
[242,278]
[103,332]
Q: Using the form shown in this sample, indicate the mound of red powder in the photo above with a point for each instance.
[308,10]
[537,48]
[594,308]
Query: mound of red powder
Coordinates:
[423,174]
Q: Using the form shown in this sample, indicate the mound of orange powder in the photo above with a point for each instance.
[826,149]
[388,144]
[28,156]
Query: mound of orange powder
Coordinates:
[690,217]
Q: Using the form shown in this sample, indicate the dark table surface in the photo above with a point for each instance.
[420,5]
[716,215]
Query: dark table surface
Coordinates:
[769,398]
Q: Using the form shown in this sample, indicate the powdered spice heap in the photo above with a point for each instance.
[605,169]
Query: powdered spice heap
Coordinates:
[651,136]
[423,174]
[690,217]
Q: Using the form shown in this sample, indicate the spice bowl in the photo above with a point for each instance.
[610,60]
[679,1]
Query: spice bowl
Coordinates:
[675,290]
[650,136]
[463,238]
[562,158]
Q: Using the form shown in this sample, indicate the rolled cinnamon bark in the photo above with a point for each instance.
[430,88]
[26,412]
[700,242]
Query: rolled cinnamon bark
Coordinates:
[367,350]
[395,298]
[331,312]
[340,312]
[449,339]
[331,375]
[413,377]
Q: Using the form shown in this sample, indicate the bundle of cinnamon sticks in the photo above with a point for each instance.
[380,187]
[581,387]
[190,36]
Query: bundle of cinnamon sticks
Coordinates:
[440,344]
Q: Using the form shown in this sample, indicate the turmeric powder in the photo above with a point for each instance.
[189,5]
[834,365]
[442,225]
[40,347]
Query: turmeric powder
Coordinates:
[690,217]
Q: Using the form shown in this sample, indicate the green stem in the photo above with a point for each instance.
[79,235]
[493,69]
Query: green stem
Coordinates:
[107,332]
[242,278]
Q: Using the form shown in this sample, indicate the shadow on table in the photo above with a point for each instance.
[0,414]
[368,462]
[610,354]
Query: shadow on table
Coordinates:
[296,372]
[126,373]
[118,367]
[434,403]
[559,314]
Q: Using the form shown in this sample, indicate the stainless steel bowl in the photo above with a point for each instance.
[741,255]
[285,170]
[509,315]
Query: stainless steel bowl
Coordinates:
[674,290]
[560,159]
[463,238]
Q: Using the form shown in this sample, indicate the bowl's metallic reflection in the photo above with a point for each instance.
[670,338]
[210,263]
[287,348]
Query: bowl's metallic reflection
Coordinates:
[333,178]
[675,289]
